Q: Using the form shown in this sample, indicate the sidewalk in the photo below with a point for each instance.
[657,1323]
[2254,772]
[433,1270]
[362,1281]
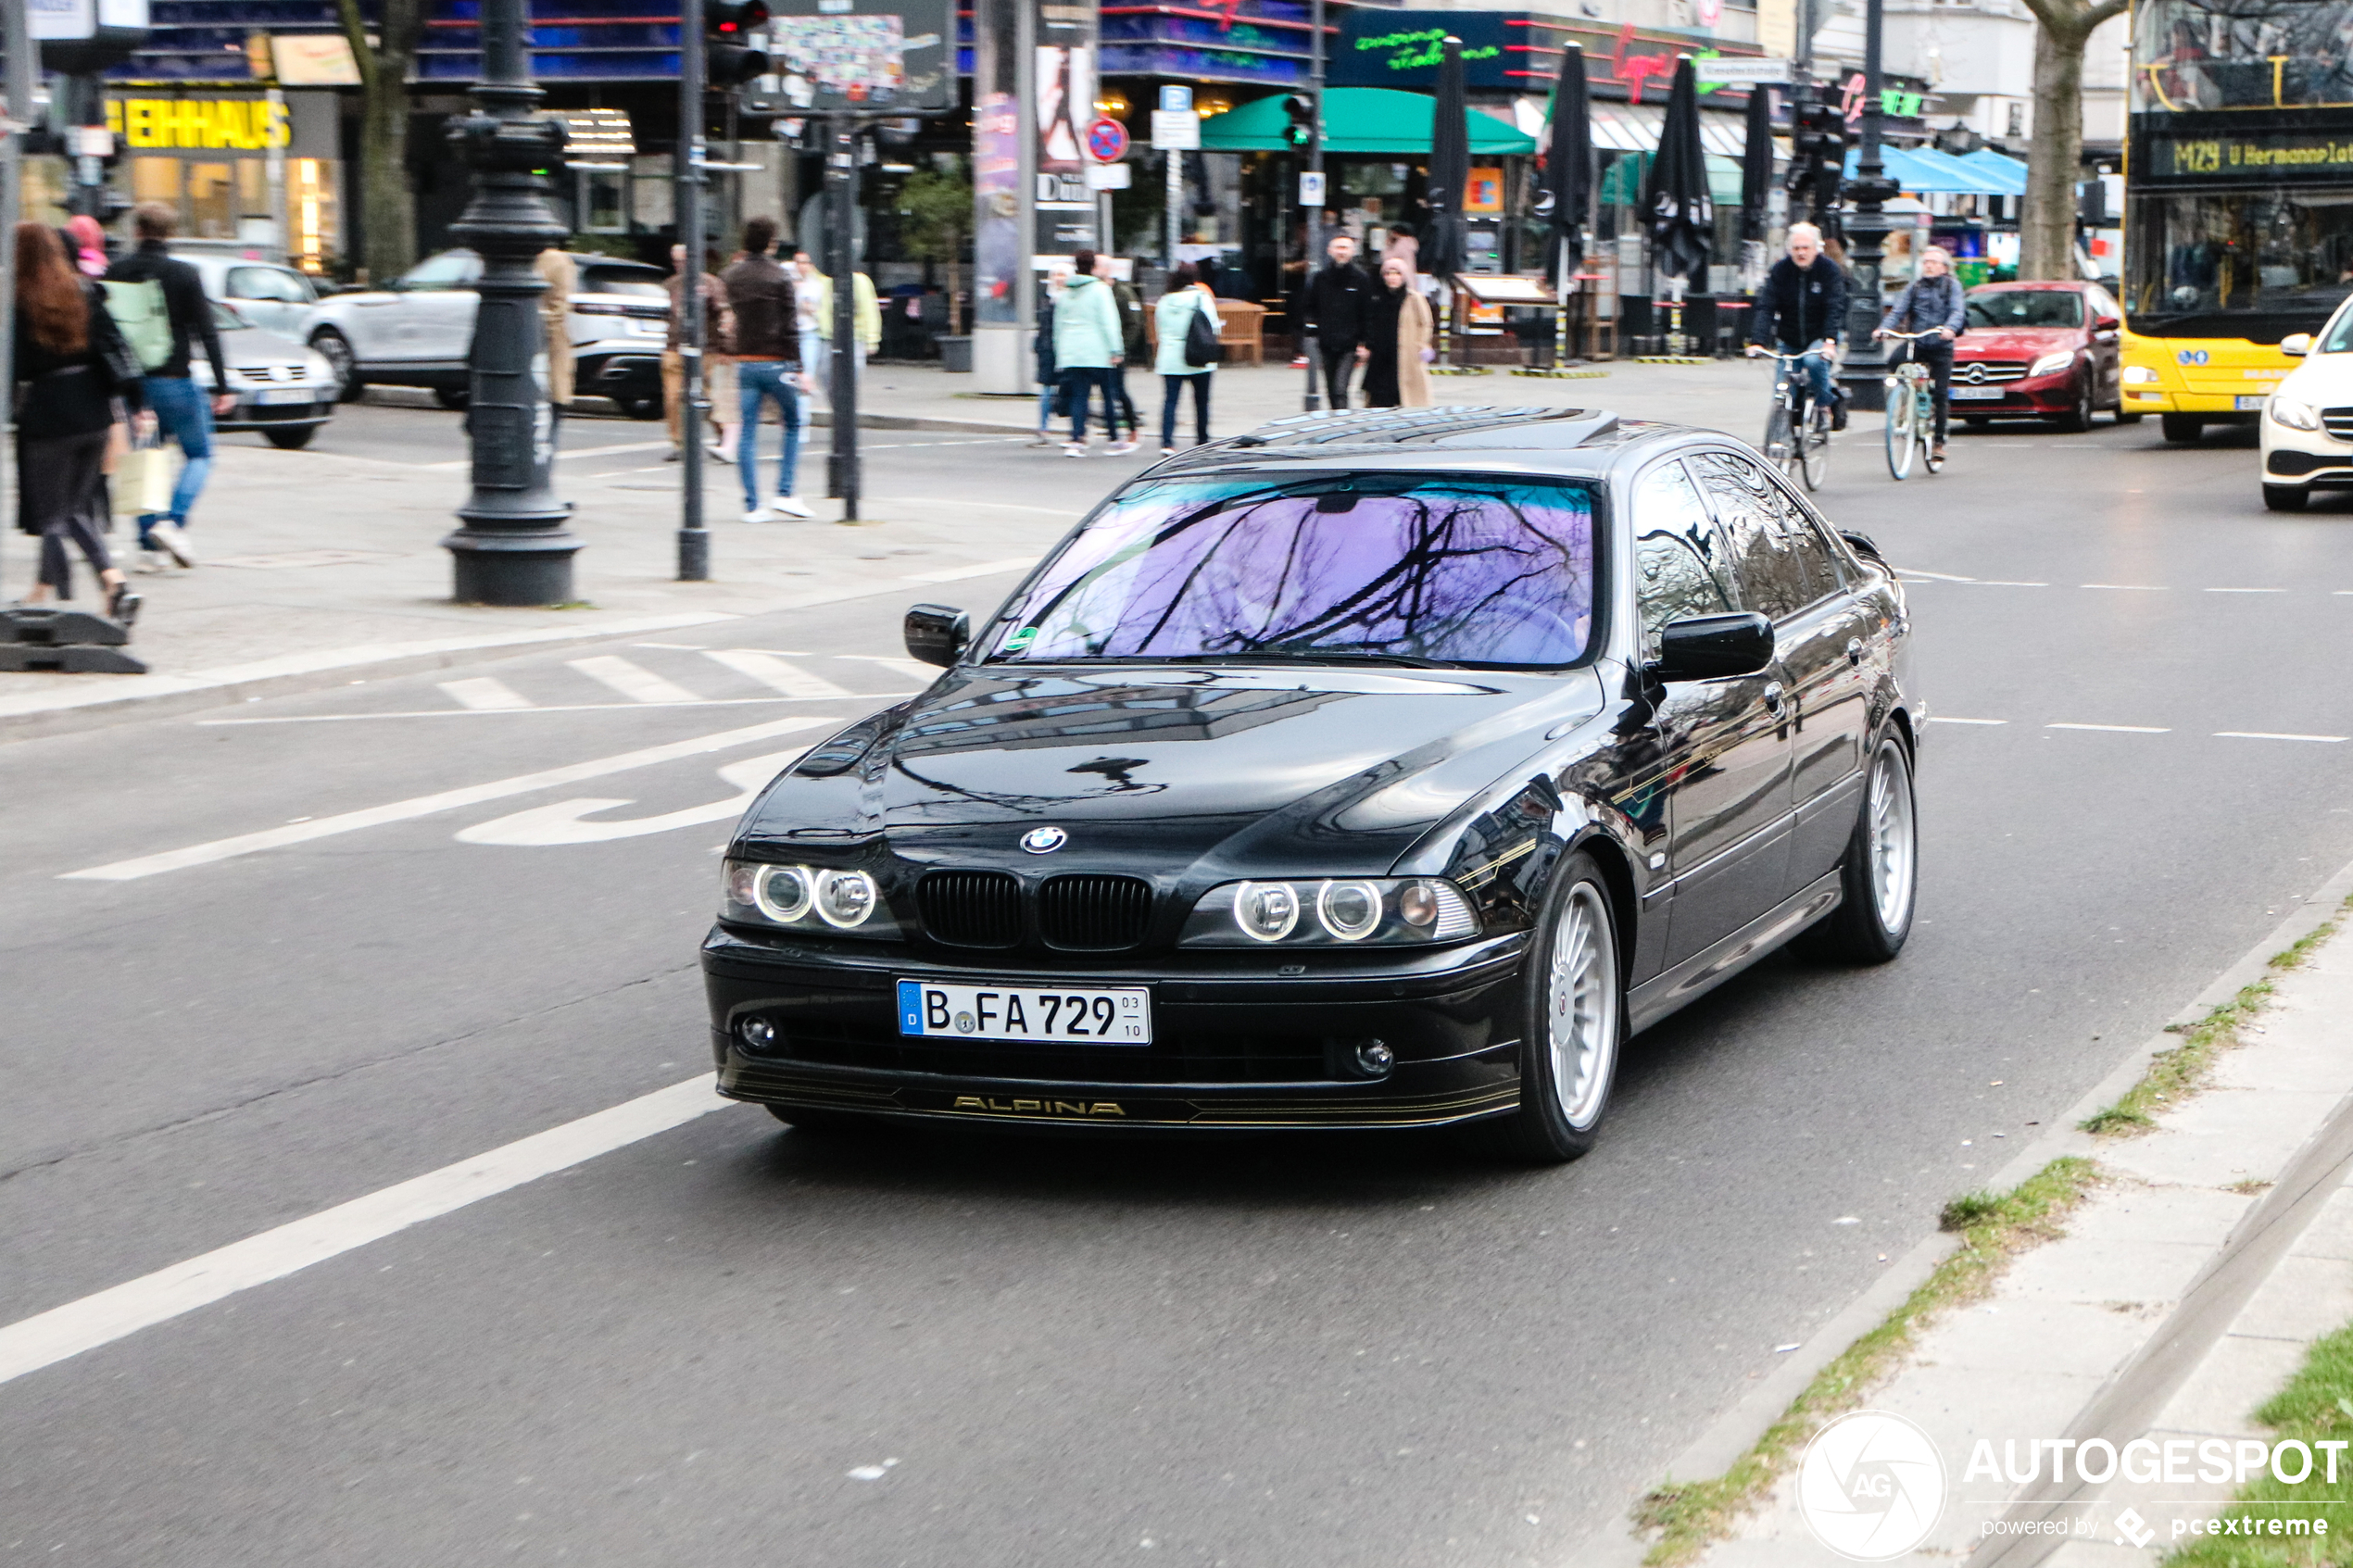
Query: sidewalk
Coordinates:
[316,564]
[2204,1259]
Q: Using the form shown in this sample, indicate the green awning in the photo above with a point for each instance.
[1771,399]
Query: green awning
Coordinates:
[1357,120]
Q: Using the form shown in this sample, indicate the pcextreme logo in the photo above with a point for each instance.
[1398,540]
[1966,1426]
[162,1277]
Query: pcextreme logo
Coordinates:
[1871,1485]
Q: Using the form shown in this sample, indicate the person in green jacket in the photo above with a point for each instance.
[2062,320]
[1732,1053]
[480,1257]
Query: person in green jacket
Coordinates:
[1089,343]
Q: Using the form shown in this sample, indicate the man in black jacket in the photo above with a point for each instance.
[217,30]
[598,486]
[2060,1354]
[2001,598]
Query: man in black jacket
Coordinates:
[1802,309]
[182,410]
[1336,301]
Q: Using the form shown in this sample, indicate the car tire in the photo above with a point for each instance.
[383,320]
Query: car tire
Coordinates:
[2180,428]
[639,408]
[1575,1024]
[808,1119]
[451,398]
[293,440]
[2078,418]
[1879,877]
[2285,497]
[331,347]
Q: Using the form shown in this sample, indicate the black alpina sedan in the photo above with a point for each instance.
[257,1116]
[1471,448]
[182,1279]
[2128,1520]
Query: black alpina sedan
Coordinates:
[1383,769]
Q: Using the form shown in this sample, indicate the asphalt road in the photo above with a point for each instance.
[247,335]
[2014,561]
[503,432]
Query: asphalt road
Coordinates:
[725,1343]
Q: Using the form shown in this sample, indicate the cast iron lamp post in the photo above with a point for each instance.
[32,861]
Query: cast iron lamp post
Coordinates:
[1865,369]
[512,547]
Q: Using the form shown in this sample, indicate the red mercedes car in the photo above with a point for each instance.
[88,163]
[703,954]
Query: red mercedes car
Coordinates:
[2041,350]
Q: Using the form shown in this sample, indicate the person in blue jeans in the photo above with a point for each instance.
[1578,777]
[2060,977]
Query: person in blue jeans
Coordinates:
[1802,310]
[768,366]
[183,410]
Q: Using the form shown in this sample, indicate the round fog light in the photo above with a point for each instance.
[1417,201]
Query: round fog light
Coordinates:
[1374,1057]
[757,1034]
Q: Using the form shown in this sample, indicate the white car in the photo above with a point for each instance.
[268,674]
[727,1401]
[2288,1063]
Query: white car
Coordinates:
[419,330]
[2308,423]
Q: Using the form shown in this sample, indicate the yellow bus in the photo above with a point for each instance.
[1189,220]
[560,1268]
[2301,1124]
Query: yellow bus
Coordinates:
[2238,200]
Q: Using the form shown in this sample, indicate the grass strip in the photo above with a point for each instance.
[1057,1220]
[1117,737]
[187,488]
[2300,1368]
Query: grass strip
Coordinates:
[2181,1071]
[1993,1227]
[2316,1406]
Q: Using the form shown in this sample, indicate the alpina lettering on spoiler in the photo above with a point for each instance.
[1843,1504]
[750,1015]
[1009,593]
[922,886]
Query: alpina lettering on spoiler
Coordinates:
[1038,1107]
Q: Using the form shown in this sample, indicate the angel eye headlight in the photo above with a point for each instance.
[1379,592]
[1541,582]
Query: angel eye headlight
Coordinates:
[1349,911]
[1265,910]
[846,899]
[782,892]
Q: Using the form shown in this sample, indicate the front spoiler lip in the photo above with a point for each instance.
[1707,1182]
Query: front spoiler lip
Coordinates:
[927,1097]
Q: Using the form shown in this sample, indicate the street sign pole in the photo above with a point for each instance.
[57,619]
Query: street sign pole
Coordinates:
[1312,220]
[18,25]
[694,537]
[1176,132]
[841,177]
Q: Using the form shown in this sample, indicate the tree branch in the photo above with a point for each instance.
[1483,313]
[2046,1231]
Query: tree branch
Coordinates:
[2074,19]
[355,33]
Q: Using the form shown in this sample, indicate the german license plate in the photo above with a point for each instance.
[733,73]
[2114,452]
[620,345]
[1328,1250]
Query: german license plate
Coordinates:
[1976,393]
[285,395]
[2250,400]
[1077,1015]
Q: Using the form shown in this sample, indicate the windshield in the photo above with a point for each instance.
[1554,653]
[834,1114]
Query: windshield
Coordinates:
[643,281]
[1405,567]
[2274,253]
[2194,55]
[1997,308]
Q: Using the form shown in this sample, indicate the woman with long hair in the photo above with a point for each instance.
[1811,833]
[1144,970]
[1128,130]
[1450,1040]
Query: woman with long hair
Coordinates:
[1399,329]
[1186,301]
[71,364]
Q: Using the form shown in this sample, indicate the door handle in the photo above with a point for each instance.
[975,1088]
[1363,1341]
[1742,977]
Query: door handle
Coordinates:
[1854,652]
[1773,696]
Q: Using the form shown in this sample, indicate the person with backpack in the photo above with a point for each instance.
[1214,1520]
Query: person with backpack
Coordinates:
[160,307]
[1185,315]
[1932,303]
[71,367]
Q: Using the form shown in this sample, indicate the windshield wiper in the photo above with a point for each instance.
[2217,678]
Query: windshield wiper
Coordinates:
[1336,656]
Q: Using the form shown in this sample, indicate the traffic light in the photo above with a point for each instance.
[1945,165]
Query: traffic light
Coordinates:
[1299,109]
[728,60]
[1817,154]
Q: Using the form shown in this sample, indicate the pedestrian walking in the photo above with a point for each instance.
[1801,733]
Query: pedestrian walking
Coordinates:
[1186,301]
[1335,302]
[1405,247]
[1088,344]
[555,270]
[1401,339]
[137,283]
[1802,309]
[718,336]
[72,369]
[812,342]
[719,385]
[1136,334]
[1935,303]
[1051,400]
[867,316]
[87,245]
[768,367]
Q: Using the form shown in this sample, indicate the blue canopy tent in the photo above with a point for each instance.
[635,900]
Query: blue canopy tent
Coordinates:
[1985,160]
[1925,171]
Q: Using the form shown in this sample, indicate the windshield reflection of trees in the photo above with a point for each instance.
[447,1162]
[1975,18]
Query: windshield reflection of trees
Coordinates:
[1501,574]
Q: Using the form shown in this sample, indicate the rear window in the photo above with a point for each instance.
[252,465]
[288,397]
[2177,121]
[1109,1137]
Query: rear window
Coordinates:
[643,281]
[1996,308]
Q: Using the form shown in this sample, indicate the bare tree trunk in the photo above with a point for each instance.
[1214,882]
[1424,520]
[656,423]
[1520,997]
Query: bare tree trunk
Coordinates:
[2046,228]
[387,206]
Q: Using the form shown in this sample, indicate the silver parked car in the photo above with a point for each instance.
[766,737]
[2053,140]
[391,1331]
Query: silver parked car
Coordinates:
[284,390]
[418,330]
[267,294]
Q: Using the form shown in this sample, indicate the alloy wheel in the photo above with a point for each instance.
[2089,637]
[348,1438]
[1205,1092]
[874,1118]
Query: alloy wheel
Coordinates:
[1893,842]
[1582,1006]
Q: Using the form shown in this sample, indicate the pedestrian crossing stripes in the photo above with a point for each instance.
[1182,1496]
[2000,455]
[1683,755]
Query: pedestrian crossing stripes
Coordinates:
[485,694]
[632,680]
[777,674]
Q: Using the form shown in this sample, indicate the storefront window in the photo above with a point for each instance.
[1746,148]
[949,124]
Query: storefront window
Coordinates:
[212,214]
[312,213]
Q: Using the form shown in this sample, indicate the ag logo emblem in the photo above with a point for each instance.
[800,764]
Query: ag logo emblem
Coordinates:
[1044,841]
[1871,1485]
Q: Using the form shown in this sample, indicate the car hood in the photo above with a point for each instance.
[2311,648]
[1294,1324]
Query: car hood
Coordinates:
[259,345]
[2323,380]
[1168,765]
[2015,342]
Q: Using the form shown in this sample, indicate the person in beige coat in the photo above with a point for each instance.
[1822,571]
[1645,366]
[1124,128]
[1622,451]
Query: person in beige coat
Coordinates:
[1403,338]
[555,270]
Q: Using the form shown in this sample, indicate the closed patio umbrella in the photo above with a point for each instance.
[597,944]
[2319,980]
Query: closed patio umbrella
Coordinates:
[1681,213]
[1443,249]
[1565,195]
[1756,163]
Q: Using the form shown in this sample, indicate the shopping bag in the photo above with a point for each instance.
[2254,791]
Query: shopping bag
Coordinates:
[143,482]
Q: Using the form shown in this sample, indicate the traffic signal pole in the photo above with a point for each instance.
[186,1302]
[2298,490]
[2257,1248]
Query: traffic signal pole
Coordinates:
[841,182]
[1865,368]
[1312,220]
[694,538]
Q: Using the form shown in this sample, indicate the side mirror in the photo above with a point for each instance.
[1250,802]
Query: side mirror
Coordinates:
[937,634]
[1712,648]
[2105,325]
[2296,345]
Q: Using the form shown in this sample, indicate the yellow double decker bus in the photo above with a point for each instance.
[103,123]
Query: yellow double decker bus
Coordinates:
[2238,184]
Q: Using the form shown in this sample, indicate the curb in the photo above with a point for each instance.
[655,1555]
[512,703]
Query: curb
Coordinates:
[2205,1312]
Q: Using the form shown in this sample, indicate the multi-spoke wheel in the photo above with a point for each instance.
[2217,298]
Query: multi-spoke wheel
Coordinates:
[1781,439]
[1817,449]
[1903,427]
[1881,871]
[1576,1022]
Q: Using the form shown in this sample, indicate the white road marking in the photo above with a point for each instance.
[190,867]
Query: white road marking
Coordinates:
[577,452]
[984,569]
[1944,719]
[2003,582]
[560,822]
[2116,729]
[774,674]
[2274,735]
[2247,589]
[60,1333]
[1938,576]
[2131,587]
[485,694]
[675,647]
[447,800]
[632,680]
[556,708]
[914,668]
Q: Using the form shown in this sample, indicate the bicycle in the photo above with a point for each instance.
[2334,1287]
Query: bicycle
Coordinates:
[1798,438]
[1911,410]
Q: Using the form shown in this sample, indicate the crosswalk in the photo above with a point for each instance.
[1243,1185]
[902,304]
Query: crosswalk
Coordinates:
[654,674]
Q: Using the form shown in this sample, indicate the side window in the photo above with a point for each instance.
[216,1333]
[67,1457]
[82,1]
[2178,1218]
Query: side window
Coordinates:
[1772,577]
[450,269]
[1809,542]
[267,282]
[1678,554]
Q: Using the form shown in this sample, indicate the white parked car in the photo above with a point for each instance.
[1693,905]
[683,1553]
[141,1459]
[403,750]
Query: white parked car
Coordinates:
[2308,423]
[266,294]
[418,330]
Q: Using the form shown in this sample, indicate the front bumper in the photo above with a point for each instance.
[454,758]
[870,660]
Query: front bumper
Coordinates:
[250,415]
[1236,1044]
[2039,397]
[2310,459]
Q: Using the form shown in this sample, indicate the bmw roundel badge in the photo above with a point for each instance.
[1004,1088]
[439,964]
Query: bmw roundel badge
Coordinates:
[1044,841]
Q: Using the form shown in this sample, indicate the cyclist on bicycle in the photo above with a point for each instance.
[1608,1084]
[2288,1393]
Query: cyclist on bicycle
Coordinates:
[1802,309]
[1932,303]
